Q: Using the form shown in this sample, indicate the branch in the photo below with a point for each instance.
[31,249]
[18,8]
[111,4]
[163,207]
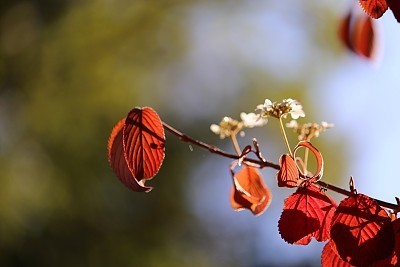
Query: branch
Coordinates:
[262,163]
[213,149]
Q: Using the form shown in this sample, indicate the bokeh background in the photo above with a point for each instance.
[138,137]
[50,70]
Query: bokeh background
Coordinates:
[69,70]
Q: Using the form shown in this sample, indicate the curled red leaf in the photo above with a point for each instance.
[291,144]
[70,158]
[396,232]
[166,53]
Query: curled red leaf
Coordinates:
[320,161]
[249,191]
[362,231]
[144,143]
[330,258]
[357,33]
[374,8]
[288,174]
[307,213]
[117,160]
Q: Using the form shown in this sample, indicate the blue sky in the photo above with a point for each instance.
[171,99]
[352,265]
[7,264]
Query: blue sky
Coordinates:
[363,101]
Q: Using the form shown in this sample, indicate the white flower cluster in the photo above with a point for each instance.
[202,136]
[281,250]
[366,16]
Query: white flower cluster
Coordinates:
[282,109]
[308,130]
[229,126]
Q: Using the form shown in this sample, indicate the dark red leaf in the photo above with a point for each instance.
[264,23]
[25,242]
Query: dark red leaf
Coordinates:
[394,5]
[374,8]
[249,191]
[362,231]
[117,160]
[392,260]
[288,175]
[396,228]
[388,262]
[330,258]
[357,33]
[144,143]
[345,31]
[320,161]
[307,213]
[364,37]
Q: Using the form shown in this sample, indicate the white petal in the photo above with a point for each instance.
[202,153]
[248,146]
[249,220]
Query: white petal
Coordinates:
[297,113]
[260,107]
[288,100]
[215,128]
[292,124]
[327,125]
[251,120]
[267,102]
[244,116]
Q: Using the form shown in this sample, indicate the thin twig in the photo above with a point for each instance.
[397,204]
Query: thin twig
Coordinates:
[262,163]
[215,150]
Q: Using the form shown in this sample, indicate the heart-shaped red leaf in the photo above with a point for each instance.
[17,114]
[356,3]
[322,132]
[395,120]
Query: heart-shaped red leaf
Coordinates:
[307,213]
[144,143]
[288,175]
[374,8]
[394,5]
[362,231]
[249,191]
[330,258]
[117,160]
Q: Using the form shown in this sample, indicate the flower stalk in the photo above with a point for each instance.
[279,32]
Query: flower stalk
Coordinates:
[235,144]
[284,136]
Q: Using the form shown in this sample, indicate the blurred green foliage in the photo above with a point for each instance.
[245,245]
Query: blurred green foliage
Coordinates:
[69,70]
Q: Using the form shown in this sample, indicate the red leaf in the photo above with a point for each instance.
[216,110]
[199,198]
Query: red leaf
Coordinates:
[394,5]
[396,228]
[392,260]
[320,161]
[374,8]
[362,231]
[330,258]
[344,31]
[307,213]
[357,32]
[388,262]
[364,37]
[249,191]
[288,175]
[117,160]
[144,143]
